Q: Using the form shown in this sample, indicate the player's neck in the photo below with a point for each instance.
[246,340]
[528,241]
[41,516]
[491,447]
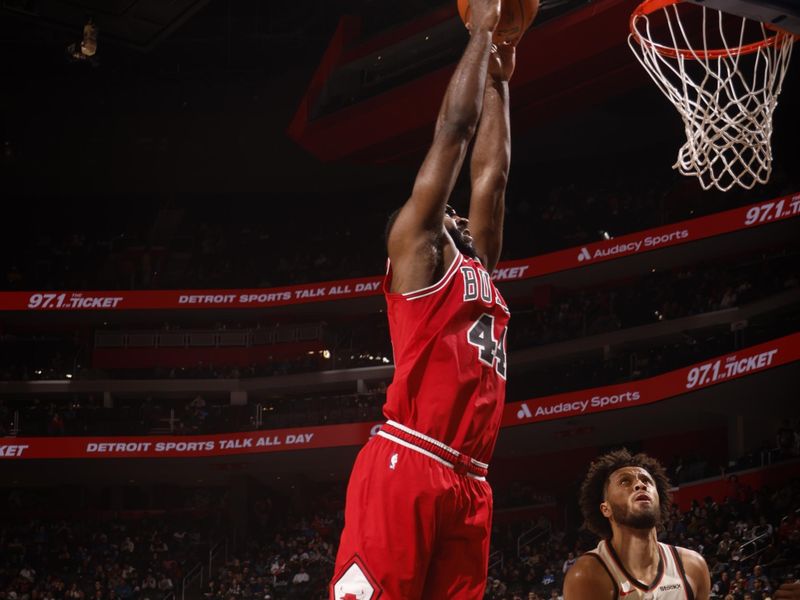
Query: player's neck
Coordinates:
[638,551]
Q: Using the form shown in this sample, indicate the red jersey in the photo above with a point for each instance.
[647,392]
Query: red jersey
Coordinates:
[449,342]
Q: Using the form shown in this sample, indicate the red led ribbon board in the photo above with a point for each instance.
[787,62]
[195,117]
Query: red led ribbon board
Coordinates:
[731,366]
[737,219]
[747,361]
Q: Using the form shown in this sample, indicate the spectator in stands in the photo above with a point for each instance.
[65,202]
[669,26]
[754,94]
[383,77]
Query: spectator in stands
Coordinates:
[149,582]
[568,563]
[301,577]
[165,583]
[88,560]
[158,548]
[788,440]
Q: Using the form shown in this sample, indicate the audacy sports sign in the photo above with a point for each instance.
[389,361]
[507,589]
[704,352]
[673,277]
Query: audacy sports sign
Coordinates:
[648,242]
[646,391]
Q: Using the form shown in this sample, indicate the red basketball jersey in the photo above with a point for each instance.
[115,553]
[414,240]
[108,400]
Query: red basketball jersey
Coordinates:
[449,342]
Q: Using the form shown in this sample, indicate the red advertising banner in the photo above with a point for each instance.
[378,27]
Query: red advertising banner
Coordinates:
[250,442]
[684,232]
[745,362]
[736,219]
[654,389]
[191,299]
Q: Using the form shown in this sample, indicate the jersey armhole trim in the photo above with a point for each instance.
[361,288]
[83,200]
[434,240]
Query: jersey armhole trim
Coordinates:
[682,571]
[605,567]
[431,289]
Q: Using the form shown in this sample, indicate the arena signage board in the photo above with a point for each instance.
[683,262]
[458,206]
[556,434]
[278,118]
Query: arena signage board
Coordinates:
[654,389]
[250,442]
[742,363]
[736,219]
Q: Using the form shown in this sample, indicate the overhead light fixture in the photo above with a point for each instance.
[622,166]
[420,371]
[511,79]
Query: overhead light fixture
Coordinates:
[87,48]
[89,43]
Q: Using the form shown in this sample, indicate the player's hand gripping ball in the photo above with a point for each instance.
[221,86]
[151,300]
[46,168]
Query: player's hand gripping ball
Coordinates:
[501,61]
[515,18]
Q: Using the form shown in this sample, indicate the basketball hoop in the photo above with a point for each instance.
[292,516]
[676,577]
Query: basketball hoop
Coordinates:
[724,74]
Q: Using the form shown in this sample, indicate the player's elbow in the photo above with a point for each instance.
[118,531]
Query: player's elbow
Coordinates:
[490,179]
[458,128]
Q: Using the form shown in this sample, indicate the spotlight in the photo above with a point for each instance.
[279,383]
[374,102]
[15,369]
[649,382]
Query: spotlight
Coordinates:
[87,48]
[89,43]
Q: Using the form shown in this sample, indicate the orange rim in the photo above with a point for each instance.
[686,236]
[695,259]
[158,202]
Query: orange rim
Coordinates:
[649,6]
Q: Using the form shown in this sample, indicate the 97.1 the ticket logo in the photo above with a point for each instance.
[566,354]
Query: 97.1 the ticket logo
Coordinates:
[71,300]
[771,211]
[725,368]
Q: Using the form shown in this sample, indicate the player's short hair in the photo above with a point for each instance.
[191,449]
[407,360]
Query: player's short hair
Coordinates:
[594,486]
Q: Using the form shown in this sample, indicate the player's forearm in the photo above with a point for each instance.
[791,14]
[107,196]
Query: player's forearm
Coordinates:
[491,156]
[463,100]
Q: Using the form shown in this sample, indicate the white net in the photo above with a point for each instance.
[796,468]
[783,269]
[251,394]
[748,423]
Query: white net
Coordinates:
[726,96]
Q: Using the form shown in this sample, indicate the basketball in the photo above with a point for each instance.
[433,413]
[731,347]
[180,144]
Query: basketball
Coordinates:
[515,18]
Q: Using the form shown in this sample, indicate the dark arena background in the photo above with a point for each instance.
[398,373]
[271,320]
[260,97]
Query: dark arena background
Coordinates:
[193,340]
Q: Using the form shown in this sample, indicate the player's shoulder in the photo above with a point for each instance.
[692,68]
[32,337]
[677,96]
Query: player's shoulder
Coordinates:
[691,559]
[696,569]
[588,578]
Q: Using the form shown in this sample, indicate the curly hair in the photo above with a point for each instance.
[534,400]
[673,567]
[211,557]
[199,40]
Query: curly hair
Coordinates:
[593,488]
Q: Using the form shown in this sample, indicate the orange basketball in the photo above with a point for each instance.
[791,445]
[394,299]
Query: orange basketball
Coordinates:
[515,18]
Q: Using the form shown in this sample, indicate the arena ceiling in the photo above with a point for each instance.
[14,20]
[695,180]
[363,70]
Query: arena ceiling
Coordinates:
[192,97]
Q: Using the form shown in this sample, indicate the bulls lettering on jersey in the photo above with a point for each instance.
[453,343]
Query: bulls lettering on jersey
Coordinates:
[449,342]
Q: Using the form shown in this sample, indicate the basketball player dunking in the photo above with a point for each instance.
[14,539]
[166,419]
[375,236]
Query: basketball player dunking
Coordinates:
[623,499]
[418,509]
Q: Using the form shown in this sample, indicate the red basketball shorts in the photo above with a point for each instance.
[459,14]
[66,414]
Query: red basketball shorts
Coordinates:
[415,528]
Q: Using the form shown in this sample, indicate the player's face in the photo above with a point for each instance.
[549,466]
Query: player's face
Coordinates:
[458,228]
[632,499]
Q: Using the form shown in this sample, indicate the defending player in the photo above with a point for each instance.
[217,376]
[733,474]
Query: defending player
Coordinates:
[788,591]
[624,498]
[418,512]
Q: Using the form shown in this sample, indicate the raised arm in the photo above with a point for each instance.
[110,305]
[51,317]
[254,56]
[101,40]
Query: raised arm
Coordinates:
[417,237]
[491,157]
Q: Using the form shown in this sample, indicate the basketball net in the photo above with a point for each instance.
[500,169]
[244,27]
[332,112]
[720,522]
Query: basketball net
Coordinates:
[726,96]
